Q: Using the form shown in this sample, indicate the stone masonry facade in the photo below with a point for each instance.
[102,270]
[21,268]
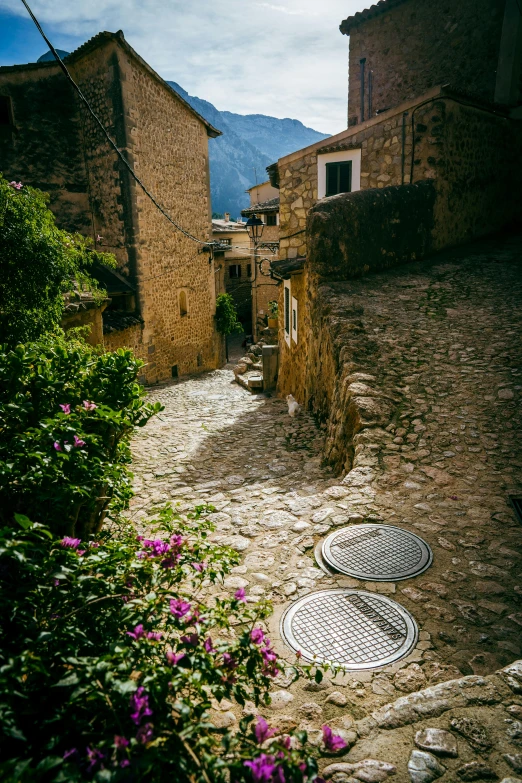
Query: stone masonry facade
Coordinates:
[91,191]
[448,43]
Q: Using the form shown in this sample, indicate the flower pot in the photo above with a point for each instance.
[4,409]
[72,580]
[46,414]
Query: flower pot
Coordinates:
[272,323]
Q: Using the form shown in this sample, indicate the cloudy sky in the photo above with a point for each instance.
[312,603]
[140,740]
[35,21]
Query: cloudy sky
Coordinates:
[285,58]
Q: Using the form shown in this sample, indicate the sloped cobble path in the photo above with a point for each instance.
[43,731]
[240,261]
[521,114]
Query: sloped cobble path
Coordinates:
[441,462]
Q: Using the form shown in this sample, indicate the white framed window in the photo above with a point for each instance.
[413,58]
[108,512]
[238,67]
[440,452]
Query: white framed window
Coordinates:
[287,313]
[338,172]
[294,319]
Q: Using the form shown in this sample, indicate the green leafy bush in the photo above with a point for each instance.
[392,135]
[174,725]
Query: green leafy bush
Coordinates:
[67,412]
[226,315]
[111,657]
[40,263]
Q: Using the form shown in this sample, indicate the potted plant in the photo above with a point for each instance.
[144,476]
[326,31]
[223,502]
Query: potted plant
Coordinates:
[273,312]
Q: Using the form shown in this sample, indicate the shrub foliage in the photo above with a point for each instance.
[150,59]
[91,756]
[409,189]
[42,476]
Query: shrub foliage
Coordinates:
[226,315]
[67,412]
[40,263]
[110,661]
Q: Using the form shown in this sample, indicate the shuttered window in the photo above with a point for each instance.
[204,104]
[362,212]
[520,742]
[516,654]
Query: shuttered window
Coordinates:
[338,178]
[287,310]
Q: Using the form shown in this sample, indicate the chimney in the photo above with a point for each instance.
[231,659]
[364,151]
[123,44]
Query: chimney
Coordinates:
[227,217]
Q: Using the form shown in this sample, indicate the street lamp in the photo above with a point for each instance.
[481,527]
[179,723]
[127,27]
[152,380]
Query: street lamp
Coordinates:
[255,227]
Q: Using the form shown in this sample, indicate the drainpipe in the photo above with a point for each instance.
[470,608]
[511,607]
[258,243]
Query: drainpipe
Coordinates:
[361,63]
[370,94]
[404,115]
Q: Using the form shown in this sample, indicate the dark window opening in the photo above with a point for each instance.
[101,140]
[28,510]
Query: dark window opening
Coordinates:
[183,306]
[174,371]
[225,241]
[516,502]
[199,360]
[234,271]
[338,178]
[5,110]
[287,310]
[249,270]
[271,220]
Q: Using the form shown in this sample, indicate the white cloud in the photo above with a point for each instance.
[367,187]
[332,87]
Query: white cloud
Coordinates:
[286,59]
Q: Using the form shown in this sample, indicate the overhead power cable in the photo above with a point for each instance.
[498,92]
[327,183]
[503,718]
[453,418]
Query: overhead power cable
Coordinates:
[107,135]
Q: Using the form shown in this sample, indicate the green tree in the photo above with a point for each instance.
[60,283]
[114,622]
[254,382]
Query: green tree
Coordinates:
[39,264]
[226,315]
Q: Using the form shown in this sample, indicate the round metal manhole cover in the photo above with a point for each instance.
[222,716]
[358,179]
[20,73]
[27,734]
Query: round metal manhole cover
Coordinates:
[377,553]
[351,628]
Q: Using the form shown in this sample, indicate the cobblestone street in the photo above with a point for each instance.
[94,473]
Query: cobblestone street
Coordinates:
[448,334]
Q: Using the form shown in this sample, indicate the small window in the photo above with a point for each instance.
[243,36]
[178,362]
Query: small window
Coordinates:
[183,308]
[225,241]
[294,319]
[271,220]
[249,270]
[234,271]
[338,178]
[5,110]
[287,312]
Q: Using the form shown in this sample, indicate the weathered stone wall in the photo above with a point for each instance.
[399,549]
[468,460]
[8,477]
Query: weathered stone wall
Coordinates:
[292,375]
[421,43]
[43,147]
[169,145]
[132,338]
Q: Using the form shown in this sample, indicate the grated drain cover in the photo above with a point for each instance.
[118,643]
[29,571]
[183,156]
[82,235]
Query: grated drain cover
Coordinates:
[352,628]
[377,552]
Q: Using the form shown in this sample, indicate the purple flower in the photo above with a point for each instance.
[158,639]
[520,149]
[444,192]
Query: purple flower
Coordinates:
[191,639]
[69,753]
[81,552]
[89,406]
[207,644]
[56,583]
[262,730]
[78,442]
[66,408]
[174,658]
[179,607]
[240,595]
[198,566]
[17,185]
[145,733]
[70,543]
[265,770]
[126,763]
[94,756]
[257,635]
[120,742]
[139,704]
[229,662]
[57,446]
[332,741]
[155,636]
[137,633]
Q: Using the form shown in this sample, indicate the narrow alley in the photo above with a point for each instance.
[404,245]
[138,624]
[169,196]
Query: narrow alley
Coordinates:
[443,468]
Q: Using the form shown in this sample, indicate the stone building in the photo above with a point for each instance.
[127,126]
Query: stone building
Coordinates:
[264,203]
[163,295]
[234,265]
[455,155]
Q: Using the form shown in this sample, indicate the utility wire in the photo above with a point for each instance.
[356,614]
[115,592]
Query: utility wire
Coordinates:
[106,134]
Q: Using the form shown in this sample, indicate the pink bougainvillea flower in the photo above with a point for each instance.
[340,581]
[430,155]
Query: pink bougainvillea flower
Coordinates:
[57,446]
[138,633]
[264,769]
[94,756]
[154,636]
[198,566]
[126,763]
[70,543]
[207,644]
[257,635]
[240,595]
[89,406]
[66,408]
[179,607]
[56,582]
[190,639]
[262,730]
[139,704]
[120,742]
[17,185]
[174,658]
[81,552]
[145,733]
[78,442]
[69,753]
[332,741]
[229,662]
